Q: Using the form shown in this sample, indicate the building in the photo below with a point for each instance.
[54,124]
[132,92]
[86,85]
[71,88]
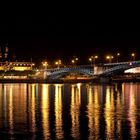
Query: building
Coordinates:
[17,66]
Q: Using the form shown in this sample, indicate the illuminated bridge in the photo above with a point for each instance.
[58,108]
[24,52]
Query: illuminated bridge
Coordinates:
[86,70]
[102,70]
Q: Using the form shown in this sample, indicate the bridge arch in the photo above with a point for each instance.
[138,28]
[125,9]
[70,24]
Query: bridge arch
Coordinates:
[119,69]
[66,71]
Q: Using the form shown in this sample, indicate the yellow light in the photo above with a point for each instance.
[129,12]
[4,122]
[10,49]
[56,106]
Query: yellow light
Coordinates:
[90,59]
[44,64]
[59,61]
[118,54]
[72,61]
[56,63]
[108,57]
[96,57]
[132,54]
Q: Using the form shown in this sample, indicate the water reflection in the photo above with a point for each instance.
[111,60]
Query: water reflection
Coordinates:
[45,111]
[119,112]
[75,106]
[93,112]
[130,90]
[109,113]
[11,110]
[32,108]
[59,111]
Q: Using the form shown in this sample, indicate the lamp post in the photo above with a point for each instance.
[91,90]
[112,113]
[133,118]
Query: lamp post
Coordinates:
[108,57]
[118,55]
[58,63]
[92,59]
[73,61]
[133,56]
[45,64]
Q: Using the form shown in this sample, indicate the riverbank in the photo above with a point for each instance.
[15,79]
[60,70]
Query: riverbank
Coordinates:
[70,80]
[121,80]
[45,81]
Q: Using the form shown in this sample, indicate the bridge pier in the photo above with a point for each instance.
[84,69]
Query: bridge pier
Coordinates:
[99,69]
[104,80]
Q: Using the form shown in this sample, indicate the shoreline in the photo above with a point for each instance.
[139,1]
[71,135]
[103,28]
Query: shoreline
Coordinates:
[69,81]
[43,81]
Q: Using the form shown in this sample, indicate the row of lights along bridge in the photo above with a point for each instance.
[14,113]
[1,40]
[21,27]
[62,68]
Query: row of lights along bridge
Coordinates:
[92,60]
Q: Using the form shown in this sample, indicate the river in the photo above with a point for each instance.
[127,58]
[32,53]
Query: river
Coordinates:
[69,111]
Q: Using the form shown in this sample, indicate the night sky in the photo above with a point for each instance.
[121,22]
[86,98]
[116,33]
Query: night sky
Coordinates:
[54,36]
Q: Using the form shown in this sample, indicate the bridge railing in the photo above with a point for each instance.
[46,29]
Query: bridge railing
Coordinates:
[121,67]
[121,63]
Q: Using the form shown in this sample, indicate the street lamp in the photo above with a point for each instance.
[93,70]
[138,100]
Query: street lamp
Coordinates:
[108,57]
[73,61]
[133,56]
[76,59]
[118,54]
[92,59]
[58,63]
[45,64]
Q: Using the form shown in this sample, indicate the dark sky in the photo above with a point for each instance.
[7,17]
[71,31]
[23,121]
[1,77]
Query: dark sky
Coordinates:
[63,35]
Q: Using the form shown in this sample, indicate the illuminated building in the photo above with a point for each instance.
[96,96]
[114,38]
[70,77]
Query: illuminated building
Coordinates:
[17,66]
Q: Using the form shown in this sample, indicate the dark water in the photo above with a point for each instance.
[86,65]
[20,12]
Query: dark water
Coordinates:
[70,111]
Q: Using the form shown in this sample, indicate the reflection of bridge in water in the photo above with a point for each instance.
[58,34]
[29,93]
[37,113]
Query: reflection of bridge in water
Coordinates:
[101,70]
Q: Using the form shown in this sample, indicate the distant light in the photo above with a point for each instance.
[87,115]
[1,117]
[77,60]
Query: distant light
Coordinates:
[56,63]
[118,54]
[96,56]
[90,59]
[107,57]
[72,61]
[133,54]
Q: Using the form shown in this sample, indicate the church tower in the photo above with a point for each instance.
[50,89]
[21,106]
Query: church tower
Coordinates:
[0,54]
[6,52]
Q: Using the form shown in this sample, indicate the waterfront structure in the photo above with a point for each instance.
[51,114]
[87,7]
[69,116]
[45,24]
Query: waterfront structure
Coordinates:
[104,70]
[17,66]
[75,72]
[16,70]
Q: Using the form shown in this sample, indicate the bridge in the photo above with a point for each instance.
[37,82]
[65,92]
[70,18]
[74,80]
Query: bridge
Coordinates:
[101,70]
[56,73]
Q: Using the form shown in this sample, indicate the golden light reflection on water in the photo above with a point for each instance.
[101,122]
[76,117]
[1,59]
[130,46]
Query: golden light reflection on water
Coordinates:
[75,106]
[32,107]
[93,112]
[58,111]
[132,111]
[1,103]
[109,114]
[45,111]
[119,112]
[11,110]
[13,106]
[19,103]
